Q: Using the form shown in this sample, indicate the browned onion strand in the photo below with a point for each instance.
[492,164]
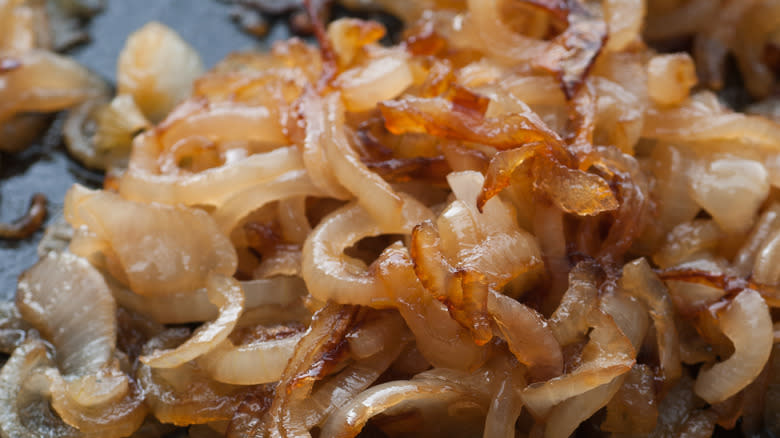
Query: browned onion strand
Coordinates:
[519,221]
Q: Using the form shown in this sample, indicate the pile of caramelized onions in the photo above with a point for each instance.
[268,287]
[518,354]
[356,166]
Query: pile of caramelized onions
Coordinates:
[520,220]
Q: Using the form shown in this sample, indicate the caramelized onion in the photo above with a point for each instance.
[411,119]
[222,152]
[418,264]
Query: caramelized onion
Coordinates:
[528,335]
[670,78]
[359,84]
[569,322]
[26,225]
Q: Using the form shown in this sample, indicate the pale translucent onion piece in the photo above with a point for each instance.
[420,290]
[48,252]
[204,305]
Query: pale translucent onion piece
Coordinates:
[46,82]
[332,275]
[607,355]
[212,186]
[249,364]
[69,302]
[236,208]
[731,190]
[374,194]
[155,249]
[157,68]
[24,405]
[194,306]
[225,293]
[397,396]
[640,281]
[564,418]
[748,324]
[670,78]
[766,268]
[118,123]
[383,78]
[624,22]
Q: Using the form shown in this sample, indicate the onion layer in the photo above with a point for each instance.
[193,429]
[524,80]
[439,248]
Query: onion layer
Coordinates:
[155,249]
[748,324]
[223,292]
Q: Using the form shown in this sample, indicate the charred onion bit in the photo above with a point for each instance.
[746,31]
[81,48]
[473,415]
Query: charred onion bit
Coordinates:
[26,225]
[573,52]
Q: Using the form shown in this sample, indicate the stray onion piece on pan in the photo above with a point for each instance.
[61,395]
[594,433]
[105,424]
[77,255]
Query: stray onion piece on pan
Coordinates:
[520,220]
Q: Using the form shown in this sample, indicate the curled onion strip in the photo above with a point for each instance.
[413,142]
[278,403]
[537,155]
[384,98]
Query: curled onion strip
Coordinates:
[528,335]
[225,293]
[607,355]
[112,418]
[569,322]
[332,275]
[45,82]
[702,119]
[185,395]
[291,184]
[209,187]
[748,324]
[349,420]
[640,281]
[187,307]
[328,328]
[312,111]
[249,364]
[354,379]
[374,194]
[69,302]
[567,416]
[24,409]
[153,248]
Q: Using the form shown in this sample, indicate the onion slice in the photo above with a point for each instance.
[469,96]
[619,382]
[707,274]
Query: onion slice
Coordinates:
[640,281]
[529,336]
[607,355]
[225,293]
[374,194]
[24,410]
[567,416]
[69,302]
[391,397]
[185,395]
[329,273]
[748,324]
[249,364]
[209,187]
[187,307]
[569,322]
[116,417]
[155,249]
[310,359]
